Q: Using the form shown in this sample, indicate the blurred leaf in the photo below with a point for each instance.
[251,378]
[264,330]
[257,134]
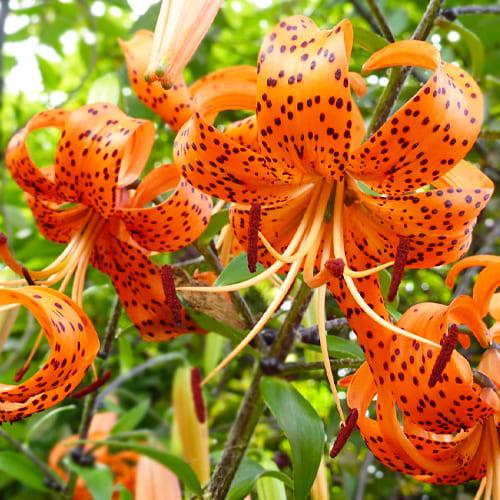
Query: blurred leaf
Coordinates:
[302,427]
[180,468]
[367,40]
[237,271]
[217,222]
[126,353]
[214,346]
[98,479]
[248,473]
[105,89]
[130,419]
[339,348]
[44,419]
[50,75]
[21,468]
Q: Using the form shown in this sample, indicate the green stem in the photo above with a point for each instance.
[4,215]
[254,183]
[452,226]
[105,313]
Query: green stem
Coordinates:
[490,135]
[252,404]
[381,20]
[398,75]
[300,367]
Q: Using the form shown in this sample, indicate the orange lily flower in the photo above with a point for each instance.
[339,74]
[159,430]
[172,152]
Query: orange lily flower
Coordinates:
[100,153]
[143,477]
[307,159]
[73,345]
[449,432]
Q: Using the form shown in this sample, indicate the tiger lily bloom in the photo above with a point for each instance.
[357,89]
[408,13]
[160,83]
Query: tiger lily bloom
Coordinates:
[303,174]
[449,432]
[73,345]
[180,28]
[85,201]
[140,475]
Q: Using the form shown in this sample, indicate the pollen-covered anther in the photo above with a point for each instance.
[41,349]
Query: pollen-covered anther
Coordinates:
[253,237]
[27,276]
[3,239]
[448,344]
[404,247]
[20,373]
[93,386]
[173,302]
[335,266]
[344,432]
[199,405]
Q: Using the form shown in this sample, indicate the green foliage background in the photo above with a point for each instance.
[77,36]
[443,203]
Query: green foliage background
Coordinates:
[96,65]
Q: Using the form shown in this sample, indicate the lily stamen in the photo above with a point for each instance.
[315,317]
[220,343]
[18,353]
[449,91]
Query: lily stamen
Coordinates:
[253,237]
[346,429]
[404,247]
[339,251]
[448,345]
[171,299]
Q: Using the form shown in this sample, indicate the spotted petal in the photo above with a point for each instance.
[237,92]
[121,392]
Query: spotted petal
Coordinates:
[174,223]
[73,346]
[137,281]
[430,134]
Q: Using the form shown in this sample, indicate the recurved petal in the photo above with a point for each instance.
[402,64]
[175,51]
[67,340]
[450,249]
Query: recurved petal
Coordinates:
[454,403]
[221,167]
[56,222]
[138,282]
[172,105]
[172,224]
[154,481]
[303,96]
[33,180]
[427,136]
[101,149]
[73,345]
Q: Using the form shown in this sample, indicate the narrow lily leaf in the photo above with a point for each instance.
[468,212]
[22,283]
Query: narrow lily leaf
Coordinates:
[214,347]
[19,467]
[180,468]
[98,479]
[105,89]
[129,420]
[217,222]
[248,474]
[339,348]
[40,425]
[237,271]
[303,428]
[367,40]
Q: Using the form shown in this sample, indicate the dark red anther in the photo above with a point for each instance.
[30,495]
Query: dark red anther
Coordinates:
[173,302]
[27,276]
[344,432]
[93,386]
[3,239]
[448,344]
[20,373]
[398,270]
[335,266]
[199,405]
[253,237]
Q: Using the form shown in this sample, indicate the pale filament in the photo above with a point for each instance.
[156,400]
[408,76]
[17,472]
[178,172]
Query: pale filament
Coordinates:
[273,306]
[318,279]
[218,206]
[270,271]
[480,490]
[339,251]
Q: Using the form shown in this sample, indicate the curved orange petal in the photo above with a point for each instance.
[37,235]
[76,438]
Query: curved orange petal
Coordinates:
[473,260]
[138,283]
[428,135]
[244,132]
[172,224]
[55,222]
[100,150]
[454,403]
[154,481]
[172,105]
[304,121]
[73,346]
[35,181]
[221,167]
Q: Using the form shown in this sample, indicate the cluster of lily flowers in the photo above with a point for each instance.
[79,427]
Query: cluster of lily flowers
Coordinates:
[294,176]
